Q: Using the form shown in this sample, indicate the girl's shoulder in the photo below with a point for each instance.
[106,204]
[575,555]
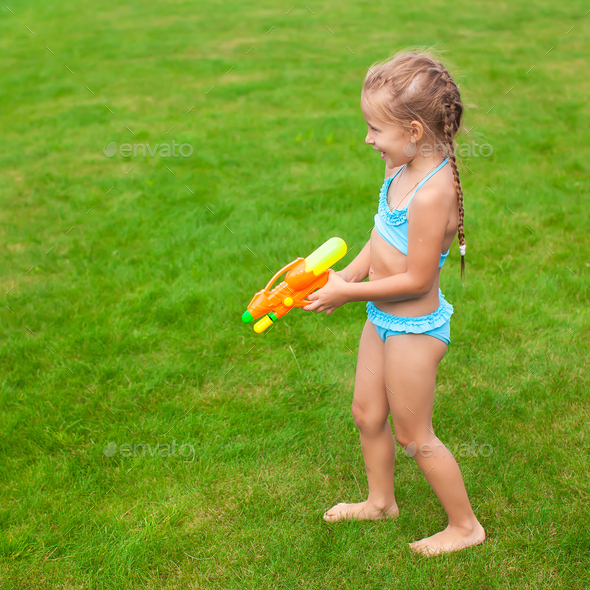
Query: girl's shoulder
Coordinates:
[438,195]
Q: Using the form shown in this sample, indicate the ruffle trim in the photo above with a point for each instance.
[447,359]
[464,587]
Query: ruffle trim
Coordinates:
[415,325]
[395,217]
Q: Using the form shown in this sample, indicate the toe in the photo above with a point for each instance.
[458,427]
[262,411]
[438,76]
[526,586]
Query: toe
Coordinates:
[419,549]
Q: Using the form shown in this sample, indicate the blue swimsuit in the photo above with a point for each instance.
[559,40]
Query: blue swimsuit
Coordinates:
[392,226]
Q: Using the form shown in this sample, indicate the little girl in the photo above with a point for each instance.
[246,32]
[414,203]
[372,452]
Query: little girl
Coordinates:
[413,111]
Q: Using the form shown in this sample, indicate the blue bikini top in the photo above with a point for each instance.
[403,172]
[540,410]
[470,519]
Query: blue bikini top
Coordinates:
[392,226]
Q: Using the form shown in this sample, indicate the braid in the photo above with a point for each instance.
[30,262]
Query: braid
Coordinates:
[452,118]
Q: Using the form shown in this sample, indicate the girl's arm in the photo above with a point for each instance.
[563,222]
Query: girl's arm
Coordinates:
[358,269]
[426,233]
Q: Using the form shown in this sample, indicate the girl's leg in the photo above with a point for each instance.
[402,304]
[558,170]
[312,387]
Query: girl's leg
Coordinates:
[370,409]
[411,361]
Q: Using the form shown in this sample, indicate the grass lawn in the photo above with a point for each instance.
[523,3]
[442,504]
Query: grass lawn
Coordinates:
[148,438]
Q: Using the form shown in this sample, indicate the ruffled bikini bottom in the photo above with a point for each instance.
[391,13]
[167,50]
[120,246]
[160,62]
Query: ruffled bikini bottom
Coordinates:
[437,323]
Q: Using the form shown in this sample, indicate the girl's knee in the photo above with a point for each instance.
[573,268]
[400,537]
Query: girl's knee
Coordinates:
[414,439]
[368,421]
[403,437]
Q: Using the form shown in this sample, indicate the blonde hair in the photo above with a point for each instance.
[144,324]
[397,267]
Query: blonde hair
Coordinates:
[416,86]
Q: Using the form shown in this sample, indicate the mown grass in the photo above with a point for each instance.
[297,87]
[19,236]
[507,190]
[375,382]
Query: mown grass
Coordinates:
[122,294]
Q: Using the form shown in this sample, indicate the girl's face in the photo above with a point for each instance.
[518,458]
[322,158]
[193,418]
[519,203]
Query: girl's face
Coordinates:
[387,138]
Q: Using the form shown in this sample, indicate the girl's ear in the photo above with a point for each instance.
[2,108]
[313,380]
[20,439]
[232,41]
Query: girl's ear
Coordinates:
[416,130]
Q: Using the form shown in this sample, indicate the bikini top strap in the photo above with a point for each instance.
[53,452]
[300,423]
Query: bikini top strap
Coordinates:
[427,177]
[397,173]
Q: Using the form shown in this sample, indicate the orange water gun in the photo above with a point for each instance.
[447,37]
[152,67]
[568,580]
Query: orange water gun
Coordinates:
[304,276]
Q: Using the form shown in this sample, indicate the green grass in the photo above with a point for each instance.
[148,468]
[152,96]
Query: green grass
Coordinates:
[122,293]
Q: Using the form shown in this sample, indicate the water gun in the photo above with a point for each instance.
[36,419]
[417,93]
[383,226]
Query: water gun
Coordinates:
[304,276]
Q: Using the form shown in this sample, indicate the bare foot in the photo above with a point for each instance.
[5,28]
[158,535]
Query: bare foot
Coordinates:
[451,539]
[360,511]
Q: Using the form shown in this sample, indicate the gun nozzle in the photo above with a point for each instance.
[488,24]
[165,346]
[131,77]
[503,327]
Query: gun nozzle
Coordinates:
[247,317]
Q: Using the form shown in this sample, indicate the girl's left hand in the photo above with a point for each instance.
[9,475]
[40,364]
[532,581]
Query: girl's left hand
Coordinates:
[331,296]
